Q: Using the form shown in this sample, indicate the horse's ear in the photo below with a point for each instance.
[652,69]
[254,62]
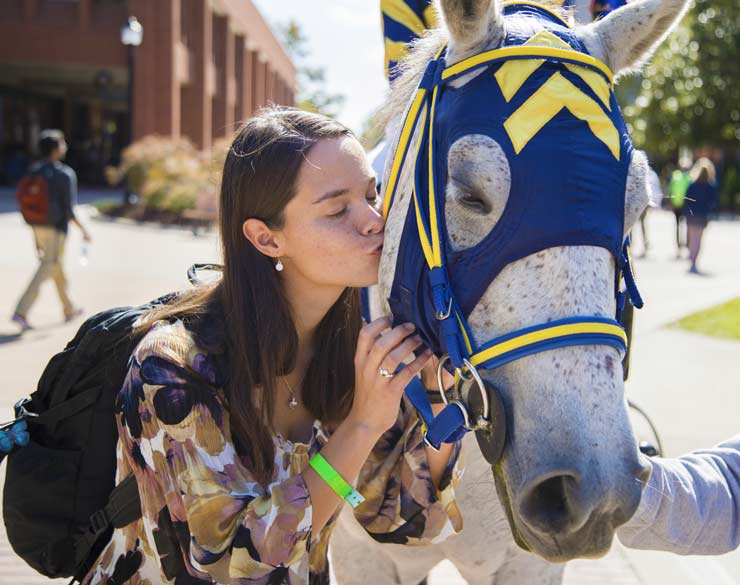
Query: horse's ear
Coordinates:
[627,37]
[473,24]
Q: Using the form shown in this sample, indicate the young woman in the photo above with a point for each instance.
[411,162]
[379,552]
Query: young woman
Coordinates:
[701,200]
[247,398]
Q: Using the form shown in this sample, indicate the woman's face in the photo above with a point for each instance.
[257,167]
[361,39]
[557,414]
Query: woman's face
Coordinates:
[333,231]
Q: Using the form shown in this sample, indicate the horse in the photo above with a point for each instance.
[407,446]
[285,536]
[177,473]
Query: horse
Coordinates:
[570,473]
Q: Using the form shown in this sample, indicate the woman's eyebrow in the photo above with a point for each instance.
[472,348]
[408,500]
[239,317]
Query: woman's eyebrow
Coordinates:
[343,191]
[332,194]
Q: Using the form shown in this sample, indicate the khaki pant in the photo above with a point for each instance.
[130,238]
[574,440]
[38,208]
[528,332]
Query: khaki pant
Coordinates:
[50,246]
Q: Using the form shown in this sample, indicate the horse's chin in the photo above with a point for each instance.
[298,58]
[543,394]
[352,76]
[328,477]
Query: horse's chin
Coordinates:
[592,541]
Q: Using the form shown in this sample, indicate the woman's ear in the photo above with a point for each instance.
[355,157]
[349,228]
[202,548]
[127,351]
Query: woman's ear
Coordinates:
[262,237]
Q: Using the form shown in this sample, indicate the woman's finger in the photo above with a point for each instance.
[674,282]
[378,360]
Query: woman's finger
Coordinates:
[387,343]
[402,378]
[369,333]
[401,352]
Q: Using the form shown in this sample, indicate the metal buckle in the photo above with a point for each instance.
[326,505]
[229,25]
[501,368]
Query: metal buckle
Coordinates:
[428,444]
[21,411]
[440,316]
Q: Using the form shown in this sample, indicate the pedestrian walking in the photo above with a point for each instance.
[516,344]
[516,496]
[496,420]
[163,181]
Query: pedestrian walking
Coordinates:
[47,197]
[677,188]
[701,200]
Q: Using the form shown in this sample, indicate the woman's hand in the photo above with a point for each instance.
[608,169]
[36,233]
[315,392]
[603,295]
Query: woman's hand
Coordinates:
[377,398]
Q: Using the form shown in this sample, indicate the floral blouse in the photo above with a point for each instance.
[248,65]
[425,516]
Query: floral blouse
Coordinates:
[205,519]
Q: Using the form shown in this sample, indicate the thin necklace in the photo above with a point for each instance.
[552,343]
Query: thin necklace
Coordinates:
[293,400]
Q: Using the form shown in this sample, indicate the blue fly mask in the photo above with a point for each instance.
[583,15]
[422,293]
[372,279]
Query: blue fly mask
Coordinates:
[551,108]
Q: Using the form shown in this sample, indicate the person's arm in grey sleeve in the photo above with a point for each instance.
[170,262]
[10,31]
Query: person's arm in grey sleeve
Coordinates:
[691,505]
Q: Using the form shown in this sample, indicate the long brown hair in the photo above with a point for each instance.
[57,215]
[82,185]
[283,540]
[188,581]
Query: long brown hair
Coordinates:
[248,304]
[703,171]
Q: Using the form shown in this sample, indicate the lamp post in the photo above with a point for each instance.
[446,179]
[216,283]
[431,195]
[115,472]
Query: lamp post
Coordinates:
[132,33]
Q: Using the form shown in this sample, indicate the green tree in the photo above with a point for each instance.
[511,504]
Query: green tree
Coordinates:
[688,95]
[311,94]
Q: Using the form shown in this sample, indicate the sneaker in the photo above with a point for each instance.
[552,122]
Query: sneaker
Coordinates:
[73,315]
[693,269]
[21,321]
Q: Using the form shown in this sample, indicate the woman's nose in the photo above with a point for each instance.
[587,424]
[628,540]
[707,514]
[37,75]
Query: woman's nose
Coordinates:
[373,222]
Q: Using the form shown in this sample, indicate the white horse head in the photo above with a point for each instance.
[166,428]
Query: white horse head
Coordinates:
[570,473]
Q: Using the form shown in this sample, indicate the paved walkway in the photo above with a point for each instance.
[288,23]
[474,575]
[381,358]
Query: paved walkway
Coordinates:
[688,383]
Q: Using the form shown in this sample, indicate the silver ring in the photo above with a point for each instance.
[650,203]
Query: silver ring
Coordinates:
[481,388]
[385,373]
[440,382]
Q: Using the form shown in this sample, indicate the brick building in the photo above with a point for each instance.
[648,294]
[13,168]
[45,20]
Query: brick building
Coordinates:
[203,65]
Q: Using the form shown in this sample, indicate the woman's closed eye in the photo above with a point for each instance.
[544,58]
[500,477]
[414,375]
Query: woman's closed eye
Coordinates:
[339,213]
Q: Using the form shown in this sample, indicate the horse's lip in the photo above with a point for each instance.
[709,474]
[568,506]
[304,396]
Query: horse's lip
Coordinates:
[591,541]
[376,249]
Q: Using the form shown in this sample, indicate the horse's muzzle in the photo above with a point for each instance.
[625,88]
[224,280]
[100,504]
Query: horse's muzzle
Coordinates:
[561,516]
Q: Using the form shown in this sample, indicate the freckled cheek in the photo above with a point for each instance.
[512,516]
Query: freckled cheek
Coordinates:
[335,246]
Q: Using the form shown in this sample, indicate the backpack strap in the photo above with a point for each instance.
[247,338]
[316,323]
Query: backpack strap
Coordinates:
[123,507]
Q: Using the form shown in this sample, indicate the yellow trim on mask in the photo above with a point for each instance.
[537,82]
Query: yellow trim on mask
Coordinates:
[546,335]
[426,246]
[464,332]
[595,82]
[545,103]
[406,135]
[433,220]
[524,51]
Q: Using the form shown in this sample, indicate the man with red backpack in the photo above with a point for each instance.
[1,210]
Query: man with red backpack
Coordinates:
[47,196]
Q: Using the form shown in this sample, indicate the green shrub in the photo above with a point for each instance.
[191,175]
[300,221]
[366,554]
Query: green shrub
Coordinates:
[170,174]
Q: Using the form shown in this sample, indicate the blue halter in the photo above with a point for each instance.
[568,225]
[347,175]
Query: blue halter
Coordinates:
[551,108]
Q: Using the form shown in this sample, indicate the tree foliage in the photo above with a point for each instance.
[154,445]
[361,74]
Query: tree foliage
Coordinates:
[311,94]
[689,95]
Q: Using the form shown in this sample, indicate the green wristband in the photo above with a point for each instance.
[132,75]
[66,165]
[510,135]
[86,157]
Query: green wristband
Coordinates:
[335,481]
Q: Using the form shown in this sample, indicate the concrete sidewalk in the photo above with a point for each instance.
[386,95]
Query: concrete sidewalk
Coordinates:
[689,384]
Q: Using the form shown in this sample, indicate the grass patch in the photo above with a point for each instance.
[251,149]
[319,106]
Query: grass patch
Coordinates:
[720,321]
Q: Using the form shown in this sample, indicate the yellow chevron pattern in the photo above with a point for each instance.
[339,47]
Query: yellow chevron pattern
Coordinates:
[556,93]
[545,103]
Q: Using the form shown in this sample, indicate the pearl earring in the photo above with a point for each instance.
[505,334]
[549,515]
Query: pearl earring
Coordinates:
[279,266]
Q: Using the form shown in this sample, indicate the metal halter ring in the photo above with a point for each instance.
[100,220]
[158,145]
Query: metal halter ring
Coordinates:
[440,384]
[385,373]
[481,387]
[464,411]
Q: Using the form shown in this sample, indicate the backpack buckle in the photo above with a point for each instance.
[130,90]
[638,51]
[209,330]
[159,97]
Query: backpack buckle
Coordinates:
[99,521]
[21,411]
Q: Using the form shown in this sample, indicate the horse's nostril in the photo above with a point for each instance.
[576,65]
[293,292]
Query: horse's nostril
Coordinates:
[644,473]
[551,506]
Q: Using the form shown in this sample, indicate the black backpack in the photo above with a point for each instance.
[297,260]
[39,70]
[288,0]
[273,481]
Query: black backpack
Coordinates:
[59,502]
